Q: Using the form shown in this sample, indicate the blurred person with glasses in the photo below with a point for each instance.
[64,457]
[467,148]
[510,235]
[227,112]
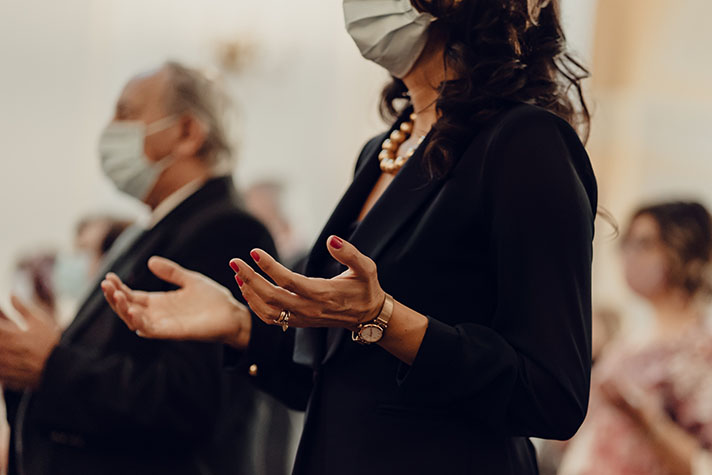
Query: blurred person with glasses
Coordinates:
[651,403]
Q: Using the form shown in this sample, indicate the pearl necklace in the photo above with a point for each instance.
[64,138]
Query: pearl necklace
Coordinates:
[390,163]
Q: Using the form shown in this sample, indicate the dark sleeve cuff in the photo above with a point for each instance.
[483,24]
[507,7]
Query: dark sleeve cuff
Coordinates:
[261,350]
[440,347]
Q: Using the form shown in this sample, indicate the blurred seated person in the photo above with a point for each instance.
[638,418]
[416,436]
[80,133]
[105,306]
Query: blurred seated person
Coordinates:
[73,272]
[31,280]
[97,398]
[95,234]
[651,401]
[52,281]
[265,200]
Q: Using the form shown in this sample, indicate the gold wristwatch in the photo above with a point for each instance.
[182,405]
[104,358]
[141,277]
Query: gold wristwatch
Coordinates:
[373,331]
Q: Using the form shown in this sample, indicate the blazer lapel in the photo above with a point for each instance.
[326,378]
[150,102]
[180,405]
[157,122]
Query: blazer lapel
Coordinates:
[137,244]
[406,194]
[309,342]
[403,197]
[115,262]
[410,189]
[346,211]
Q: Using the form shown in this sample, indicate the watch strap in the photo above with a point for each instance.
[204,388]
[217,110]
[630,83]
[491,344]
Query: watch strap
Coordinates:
[381,320]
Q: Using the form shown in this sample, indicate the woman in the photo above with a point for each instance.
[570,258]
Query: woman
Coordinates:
[650,411]
[451,319]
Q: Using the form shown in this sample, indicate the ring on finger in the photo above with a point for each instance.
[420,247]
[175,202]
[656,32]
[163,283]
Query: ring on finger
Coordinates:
[283,319]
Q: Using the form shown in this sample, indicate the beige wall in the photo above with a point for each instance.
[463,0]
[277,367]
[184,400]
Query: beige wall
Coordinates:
[305,104]
[653,114]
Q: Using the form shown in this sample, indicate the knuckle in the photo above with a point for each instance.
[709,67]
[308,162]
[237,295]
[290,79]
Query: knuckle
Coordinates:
[269,318]
[246,292]
[319,313]
[290,284]
[327,292]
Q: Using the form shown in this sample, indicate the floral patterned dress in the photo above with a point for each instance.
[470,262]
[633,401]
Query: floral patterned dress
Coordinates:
[677,373]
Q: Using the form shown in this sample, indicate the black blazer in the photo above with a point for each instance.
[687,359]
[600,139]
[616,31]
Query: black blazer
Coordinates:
[113,403]
[498,254]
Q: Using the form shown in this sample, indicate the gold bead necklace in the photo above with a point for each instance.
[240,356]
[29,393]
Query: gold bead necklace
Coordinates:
[390,162]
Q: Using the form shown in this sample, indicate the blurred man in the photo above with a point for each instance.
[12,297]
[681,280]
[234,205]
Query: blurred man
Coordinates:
[98,399]
[264,199]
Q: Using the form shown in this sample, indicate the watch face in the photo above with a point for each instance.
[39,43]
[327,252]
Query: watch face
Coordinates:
[371,333]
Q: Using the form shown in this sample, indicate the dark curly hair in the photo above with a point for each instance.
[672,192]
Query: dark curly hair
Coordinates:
[501,52]
[686,231]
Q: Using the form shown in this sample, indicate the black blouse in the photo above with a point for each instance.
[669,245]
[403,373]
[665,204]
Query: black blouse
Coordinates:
[497,254]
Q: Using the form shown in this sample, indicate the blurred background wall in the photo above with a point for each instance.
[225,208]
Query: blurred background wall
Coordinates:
[304,102]
[652,71]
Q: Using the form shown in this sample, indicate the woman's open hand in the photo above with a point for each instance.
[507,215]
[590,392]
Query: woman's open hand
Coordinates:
[351,298]
[200,309]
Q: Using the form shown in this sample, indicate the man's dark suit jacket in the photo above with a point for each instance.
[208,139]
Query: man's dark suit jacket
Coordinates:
[497,253]
[113,403]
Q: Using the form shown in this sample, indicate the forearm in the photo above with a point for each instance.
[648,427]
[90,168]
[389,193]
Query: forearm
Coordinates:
[240,338]
[676,447]
[405,333]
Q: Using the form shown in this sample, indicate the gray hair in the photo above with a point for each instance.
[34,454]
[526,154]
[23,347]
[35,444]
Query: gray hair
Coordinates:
[190,91]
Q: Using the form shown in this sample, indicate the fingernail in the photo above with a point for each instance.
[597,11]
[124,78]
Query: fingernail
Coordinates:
[234,266]
[255,256]
[336,243]
[239,281]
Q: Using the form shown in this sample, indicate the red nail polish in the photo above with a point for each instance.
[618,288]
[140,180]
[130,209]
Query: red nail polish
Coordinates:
[239,281]
[336,243]
[255,256]
[234,266]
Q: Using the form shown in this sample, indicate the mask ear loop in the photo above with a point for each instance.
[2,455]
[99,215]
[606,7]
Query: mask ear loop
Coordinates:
[160,125]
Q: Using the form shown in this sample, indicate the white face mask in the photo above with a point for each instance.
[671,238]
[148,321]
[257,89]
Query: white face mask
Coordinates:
[391,33]
[121,147]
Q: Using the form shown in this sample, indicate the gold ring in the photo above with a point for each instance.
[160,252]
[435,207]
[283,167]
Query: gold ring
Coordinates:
[283,319]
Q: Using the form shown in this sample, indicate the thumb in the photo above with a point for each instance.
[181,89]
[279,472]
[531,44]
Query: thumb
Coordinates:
[169,271]
[348,255]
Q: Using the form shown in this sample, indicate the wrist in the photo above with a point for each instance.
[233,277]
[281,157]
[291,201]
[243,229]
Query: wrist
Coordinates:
[372,331]
[239,336]
[406,332]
